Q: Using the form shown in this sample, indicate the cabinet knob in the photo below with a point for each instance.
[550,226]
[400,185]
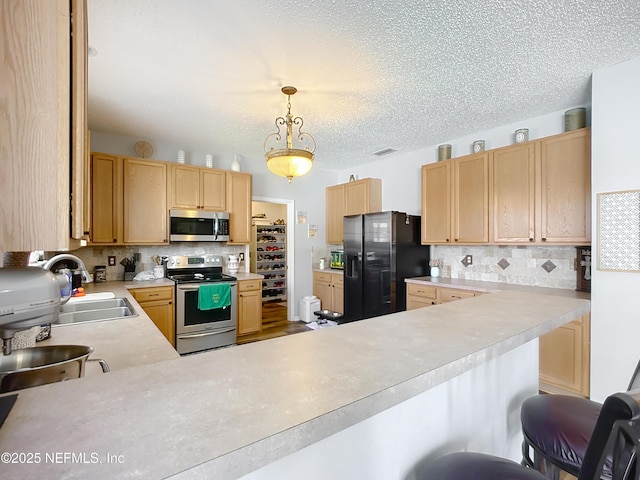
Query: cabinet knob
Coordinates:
[531,239]
[456,240]
[544,239]
[447,240]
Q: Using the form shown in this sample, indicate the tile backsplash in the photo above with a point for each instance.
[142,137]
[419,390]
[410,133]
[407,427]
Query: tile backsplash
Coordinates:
[92,256]
[541,266]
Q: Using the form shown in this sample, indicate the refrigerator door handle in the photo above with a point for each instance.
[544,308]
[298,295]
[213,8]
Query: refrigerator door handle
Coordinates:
[349,266]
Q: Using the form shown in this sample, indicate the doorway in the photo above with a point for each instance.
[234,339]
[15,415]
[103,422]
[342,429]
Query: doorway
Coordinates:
[271,255]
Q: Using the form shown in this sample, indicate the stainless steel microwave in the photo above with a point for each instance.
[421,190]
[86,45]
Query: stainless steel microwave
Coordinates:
[198,226]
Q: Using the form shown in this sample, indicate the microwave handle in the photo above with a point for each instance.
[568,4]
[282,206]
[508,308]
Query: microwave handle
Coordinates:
[216,227]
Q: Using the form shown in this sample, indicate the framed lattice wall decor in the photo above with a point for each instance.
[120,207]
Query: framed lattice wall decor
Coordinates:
[619,231]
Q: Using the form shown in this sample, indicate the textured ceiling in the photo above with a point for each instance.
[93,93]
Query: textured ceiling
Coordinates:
[405,74]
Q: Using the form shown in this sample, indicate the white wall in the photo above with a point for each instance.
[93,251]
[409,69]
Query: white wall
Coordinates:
[615,303]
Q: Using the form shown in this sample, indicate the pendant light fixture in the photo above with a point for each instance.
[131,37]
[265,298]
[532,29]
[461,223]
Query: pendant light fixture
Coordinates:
[282,158]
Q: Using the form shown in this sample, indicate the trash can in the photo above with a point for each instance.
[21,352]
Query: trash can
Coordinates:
[308,305]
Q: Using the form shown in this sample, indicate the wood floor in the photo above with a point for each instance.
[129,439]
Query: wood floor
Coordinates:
[274,324]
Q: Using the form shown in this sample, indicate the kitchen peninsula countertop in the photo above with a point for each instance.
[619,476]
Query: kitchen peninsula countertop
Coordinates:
[493,287]
[220,414]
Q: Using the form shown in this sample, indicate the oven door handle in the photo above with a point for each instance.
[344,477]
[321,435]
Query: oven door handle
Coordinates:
[208,334]
[195,289]
[188,289]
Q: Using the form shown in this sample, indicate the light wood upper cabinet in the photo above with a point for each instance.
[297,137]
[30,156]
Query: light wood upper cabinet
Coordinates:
[537,192]
[335,208]
[565,188]
[436,203]
[455,201]
[197,188]
[239,207]
[471,199]
[145,201]
[513,193]
[128,201]
[363,196]
[352,198]
[43,129]
[106,193]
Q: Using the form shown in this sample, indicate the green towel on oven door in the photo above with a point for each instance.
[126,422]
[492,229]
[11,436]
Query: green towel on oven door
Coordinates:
[214,295]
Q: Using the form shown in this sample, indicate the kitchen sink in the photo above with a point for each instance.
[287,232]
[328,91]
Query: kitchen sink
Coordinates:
[95,311]
[95,305]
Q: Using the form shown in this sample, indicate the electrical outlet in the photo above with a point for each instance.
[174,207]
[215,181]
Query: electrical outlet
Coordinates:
[469,259]
[112,260]
[241,256]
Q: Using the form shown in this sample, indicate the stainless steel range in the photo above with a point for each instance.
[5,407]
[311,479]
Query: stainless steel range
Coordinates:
[206,326]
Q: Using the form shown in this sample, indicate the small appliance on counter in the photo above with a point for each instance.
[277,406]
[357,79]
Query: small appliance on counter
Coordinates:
[30,297]
[337,259]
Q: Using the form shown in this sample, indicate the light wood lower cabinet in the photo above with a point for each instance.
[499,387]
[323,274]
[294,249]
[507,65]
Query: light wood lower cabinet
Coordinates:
[249,306]
[420,295]
[564,352]
[329,288]
[158,303]
[452,294]
[565,358]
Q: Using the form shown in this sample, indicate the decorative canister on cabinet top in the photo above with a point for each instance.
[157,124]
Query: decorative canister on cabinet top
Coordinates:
[574,119]
[444,152]
[522,135]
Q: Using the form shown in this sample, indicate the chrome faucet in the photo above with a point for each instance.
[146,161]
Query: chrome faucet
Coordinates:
[86,278]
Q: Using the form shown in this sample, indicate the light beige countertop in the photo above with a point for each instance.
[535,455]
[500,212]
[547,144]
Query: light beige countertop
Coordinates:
[224,413]
[248,276]
[329,270]
[492,287]
[122,343]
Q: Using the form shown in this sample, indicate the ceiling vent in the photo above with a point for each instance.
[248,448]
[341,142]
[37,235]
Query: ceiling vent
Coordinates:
[385,151]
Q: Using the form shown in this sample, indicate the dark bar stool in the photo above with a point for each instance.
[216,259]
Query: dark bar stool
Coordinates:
[615,435]
[557,429]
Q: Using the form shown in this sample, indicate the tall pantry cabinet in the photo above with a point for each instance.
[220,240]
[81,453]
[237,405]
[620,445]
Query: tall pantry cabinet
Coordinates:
[43,124]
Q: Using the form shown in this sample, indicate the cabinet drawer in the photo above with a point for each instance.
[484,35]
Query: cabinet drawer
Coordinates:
[337,279]
[324,277]
[451,295]
[249,285]
[152,293]
[421,290]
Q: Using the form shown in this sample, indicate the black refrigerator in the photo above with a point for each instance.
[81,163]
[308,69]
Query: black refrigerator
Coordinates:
[380,251]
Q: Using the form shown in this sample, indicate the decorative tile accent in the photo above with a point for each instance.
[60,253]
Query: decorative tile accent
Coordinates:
[619,231]
[503,264]
[549,266]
